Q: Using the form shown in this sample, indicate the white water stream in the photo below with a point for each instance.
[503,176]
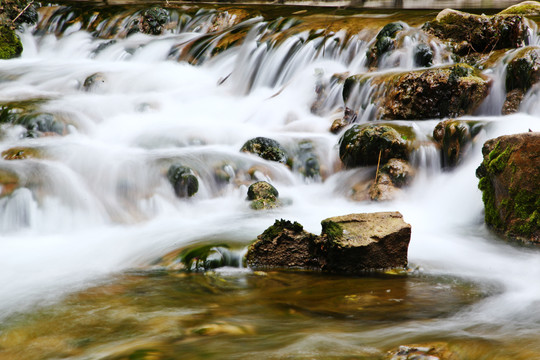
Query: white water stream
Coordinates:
[99,202]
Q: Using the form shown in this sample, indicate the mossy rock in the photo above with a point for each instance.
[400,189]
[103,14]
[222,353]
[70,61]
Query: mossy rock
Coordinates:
[509,179]
[262,195]
[478,33]
[10,44]
[527,8]
[153,20]
[362,144]
[524,69]
[434,93]
[454,138]
[183,180]
[265,148]
[384,42]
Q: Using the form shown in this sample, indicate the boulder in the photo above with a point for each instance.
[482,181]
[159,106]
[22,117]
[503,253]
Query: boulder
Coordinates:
[510,183]
[265,148]
[454,138]
[10,44]
[361,145]
[527,8]
[478,33]
[348,244]
[524,69]
[435,93]
[359,242]
[283,245]
[262,195]
[394,175]
[183,180]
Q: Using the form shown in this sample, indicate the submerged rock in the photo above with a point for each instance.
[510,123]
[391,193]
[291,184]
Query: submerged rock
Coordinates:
[94,82]
[454,137]
[362,144]
[10,44]
[433,351]
[423,55]
[348,244]
[306,160]
[183,180]
[283,245]
[262,195]
[510,183]
[360,242]
[265,148]
[478,33]
[435,93]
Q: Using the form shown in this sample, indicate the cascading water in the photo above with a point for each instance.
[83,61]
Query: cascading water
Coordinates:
[94,200]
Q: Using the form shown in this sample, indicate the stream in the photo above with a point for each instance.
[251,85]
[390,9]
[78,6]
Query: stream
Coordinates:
[92,211]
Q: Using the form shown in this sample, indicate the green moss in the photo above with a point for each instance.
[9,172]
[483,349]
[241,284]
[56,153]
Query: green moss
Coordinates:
[10,44]
[279,226]
[491,213]
[332,230]
[498,159]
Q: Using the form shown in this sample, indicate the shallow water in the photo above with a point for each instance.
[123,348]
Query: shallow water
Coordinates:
[95,204]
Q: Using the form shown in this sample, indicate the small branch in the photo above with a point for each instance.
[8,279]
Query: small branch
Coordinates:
[23,10]
[378,162]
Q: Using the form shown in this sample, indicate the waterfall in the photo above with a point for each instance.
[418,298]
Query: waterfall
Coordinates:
[92,198]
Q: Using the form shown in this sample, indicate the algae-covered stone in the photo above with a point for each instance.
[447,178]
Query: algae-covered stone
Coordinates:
[265,148]
[510,183]
[454,138]
[283,245]
[478,33]
[262,195]
[527,8]
[10,44]
[183,180]
[361,145]
[359,242]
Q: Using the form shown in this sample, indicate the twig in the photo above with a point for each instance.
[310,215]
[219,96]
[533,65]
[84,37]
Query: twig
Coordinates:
[378,162]
[22,11]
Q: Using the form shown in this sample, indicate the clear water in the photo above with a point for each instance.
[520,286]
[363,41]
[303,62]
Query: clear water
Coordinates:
[96,204]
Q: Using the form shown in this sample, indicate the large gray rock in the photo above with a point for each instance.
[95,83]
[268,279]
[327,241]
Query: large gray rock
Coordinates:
[360,242]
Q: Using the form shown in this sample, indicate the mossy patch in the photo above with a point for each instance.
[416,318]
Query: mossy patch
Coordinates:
[332,230]
[279,226]
[10,44]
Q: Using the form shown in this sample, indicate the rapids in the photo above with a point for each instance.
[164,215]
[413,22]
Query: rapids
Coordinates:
[96,204]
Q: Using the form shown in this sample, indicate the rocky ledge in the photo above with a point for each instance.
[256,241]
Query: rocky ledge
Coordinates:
[352,243]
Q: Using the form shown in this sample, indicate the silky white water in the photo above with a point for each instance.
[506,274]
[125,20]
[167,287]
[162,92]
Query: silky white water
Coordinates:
[99,203]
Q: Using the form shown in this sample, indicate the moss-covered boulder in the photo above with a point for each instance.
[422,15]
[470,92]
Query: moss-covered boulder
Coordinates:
[262,196]
[265,148]
[361,145]
[394,175]
[526,8]
[454,138]
[359,242]
[435,93]
[384,42]
[10,44]
[510,183]
[283,245]
[524,69]
[478,33]
[183,180]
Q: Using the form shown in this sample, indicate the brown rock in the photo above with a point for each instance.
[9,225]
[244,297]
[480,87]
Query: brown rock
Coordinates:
[454,137]
[510,183]
[513,101]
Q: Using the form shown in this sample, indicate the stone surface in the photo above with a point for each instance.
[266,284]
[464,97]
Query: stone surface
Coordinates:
[524,69]
[478,33]
[527,8]
[183,180]
[265,148]
[262,195]
[283,245]
[360,242]
[395,174]
[10,44]
[510,183]
[384,42]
